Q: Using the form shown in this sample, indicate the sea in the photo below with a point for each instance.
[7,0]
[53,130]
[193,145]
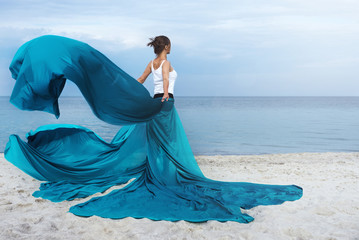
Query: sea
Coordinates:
[223,125]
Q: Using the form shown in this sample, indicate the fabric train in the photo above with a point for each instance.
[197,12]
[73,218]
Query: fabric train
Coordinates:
[151,147]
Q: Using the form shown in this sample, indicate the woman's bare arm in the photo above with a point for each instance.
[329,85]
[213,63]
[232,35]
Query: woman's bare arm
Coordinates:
[165,73]
[145,74]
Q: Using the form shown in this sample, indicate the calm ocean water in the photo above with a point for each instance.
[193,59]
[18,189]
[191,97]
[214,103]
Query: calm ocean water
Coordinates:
[224,125]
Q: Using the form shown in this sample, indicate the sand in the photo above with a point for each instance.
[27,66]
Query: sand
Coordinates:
[329,208]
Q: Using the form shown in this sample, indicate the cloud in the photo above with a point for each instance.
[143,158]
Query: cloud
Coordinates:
[235,41]
[349,62]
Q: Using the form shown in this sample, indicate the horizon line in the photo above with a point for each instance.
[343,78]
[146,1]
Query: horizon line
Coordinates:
[234,96]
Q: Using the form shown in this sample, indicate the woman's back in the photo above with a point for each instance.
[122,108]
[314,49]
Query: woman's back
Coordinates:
[158,79]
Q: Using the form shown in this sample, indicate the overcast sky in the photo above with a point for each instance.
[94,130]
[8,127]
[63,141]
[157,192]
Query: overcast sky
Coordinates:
[219,48]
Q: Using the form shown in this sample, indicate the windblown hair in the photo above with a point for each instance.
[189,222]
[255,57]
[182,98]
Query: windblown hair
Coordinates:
[158,43]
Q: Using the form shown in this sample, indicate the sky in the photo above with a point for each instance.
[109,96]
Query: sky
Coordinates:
[218,48]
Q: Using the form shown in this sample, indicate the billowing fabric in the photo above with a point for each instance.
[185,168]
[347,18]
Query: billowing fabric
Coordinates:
[42,65]
[151,148]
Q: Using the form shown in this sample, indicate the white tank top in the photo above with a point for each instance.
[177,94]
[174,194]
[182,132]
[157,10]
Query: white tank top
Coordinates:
[158,79]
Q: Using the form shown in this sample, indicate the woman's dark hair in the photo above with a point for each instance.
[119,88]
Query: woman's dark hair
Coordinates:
[158,43]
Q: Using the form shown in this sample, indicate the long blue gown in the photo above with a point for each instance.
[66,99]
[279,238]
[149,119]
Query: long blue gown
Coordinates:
[151,147]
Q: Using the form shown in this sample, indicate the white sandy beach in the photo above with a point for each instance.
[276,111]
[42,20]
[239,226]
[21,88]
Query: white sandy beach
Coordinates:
[329,208]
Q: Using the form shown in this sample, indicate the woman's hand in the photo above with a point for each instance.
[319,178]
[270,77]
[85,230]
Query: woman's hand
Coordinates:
[165,96]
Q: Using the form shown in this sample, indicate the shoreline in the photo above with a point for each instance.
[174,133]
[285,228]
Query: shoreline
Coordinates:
[257,154]
[328,209]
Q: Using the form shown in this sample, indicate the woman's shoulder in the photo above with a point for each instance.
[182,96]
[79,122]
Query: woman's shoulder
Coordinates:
[156,64]
[159,62]
[167,62]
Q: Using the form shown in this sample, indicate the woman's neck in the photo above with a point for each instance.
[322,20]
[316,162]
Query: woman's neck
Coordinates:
[162,56]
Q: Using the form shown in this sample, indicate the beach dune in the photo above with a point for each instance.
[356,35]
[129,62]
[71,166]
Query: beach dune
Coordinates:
[329,208]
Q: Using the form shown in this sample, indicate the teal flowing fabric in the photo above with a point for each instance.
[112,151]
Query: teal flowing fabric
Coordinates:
[151,148]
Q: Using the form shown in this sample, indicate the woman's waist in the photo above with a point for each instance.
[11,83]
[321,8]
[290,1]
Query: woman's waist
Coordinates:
[157,95]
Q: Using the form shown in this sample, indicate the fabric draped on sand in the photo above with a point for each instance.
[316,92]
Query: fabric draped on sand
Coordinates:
[151,146]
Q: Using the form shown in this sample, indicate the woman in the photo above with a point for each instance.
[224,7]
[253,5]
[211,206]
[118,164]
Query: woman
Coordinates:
[152,147]
[164,76]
